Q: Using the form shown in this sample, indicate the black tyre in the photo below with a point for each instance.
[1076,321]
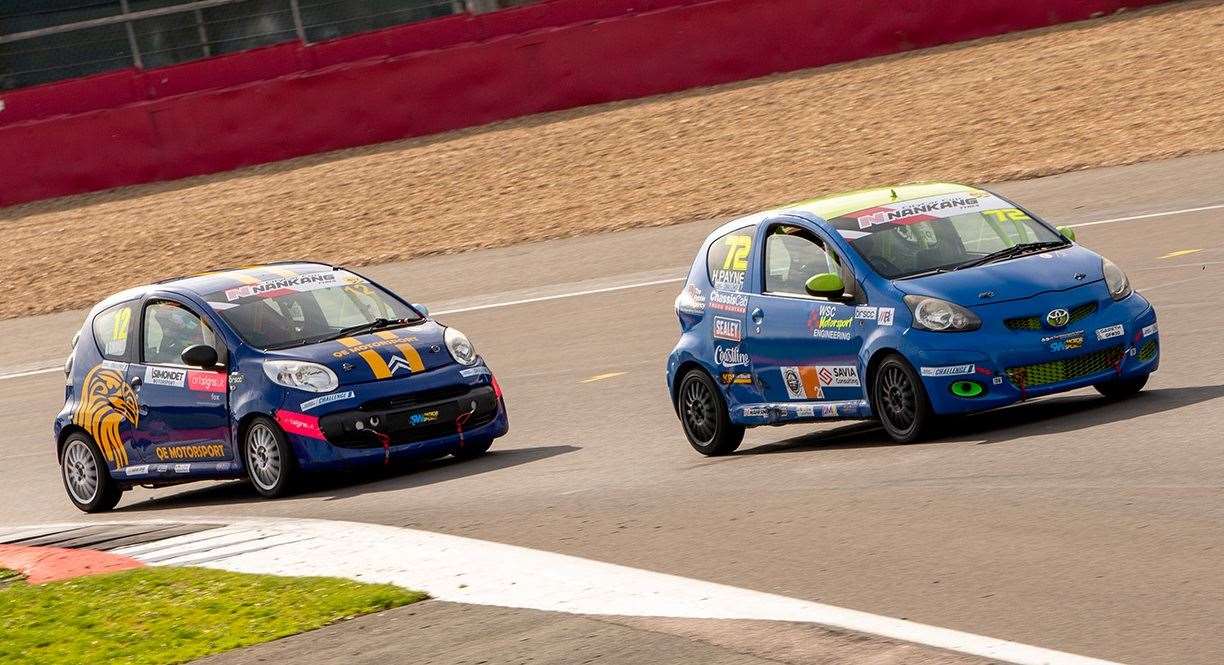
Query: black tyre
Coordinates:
[704,415]
[900,400]
[472,449]
[1122,388]
[86,476]
[269,460]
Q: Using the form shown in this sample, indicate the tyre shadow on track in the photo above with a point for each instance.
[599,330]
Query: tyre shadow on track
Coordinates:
[399,475]
[1051,415]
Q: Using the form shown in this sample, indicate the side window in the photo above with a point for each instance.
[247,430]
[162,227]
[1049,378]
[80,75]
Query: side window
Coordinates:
[169,328]
[110,329]
[727,259]
[792,256]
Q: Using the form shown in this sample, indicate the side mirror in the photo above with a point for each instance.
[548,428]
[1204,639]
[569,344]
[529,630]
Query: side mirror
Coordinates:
[826,285]
[1067,232]
[199,355]
[421,308]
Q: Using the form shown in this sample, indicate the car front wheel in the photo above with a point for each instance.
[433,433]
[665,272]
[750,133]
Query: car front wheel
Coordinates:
[1122,388]
[900,400]
[704,414]
[269,459]
[89,484]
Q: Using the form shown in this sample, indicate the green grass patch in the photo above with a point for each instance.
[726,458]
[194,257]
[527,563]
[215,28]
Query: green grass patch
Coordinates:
[173,615]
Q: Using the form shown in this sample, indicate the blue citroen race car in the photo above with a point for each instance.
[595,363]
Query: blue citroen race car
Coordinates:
[263,373]
[902,304]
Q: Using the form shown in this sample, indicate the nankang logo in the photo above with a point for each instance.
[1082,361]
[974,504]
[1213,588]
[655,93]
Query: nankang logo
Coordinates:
[1058,318]
[730,356]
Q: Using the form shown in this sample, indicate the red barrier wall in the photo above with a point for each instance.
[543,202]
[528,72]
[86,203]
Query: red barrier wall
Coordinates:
[289,100]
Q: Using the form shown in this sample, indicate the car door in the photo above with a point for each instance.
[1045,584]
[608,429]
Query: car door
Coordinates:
[804,349]
[184,411]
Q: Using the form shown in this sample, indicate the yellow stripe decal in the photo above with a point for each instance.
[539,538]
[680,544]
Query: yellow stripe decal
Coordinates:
[410,353]
[375,361]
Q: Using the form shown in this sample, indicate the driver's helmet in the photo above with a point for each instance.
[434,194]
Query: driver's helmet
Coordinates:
[179,327]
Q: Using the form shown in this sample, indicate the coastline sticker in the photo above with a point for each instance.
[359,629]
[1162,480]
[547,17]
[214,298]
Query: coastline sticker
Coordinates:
[949,370]
[325,399]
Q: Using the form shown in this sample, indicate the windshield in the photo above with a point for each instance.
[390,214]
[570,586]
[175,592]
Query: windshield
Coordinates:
[293,311]
[913,237]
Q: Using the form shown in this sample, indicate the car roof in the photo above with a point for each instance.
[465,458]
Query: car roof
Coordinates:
[217,280]
[830,207]
[837,205]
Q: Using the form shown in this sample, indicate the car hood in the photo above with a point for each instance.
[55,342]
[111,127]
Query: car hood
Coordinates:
[1012,279]
[387,354]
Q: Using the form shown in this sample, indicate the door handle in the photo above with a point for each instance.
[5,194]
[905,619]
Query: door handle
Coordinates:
[143,410]
[758,315]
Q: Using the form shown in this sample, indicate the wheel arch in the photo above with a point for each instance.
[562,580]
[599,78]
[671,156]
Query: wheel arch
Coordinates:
[683,369]
[873,363]
[66,432]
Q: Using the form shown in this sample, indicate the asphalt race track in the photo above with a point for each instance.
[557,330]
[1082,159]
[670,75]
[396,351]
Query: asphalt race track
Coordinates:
[1067,522]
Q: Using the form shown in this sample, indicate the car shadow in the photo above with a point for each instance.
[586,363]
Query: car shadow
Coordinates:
[399,475]
[1049,415]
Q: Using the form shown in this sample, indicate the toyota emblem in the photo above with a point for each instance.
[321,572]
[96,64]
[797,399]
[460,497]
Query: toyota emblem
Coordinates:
[1058,318]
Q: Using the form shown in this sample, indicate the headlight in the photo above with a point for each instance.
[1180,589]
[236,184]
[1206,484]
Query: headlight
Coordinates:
[311,377]
[940,315]
[1119,286]
[460,347]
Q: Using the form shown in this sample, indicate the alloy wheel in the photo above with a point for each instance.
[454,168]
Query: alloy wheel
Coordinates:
[81,471]
[263,456]
[699,413]
[898,398]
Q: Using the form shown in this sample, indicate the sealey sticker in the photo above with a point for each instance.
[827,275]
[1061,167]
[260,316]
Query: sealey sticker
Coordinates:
[325,399]
[949,370]
[728,329]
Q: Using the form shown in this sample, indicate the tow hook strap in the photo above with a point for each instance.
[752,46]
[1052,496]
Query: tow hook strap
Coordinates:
[386,445]
[1023,375]
[461,420]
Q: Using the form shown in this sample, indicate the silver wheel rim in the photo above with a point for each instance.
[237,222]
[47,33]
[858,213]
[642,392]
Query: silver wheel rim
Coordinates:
[263,457]
[81,471]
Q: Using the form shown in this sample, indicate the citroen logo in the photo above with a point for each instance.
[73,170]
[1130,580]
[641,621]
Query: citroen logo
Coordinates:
[1058,318]
[396,363]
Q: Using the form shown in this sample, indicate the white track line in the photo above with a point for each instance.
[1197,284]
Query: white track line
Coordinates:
[635,285]
[467,570]
[1149,215]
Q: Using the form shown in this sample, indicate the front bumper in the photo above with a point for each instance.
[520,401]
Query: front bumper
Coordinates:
[1011,366]
[425,415]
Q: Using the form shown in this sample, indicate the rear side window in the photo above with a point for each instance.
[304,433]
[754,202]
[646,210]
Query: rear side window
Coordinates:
[727,259]
[110,330]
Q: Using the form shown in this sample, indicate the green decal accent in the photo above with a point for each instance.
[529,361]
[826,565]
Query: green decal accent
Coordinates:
[967,389]
[1067,232]
[825,284]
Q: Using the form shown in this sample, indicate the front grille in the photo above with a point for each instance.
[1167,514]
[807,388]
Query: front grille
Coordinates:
[1148,350]
[1078,313]
[1066,369]
[419,397]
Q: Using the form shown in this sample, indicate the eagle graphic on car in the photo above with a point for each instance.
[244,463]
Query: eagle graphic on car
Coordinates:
[106,401]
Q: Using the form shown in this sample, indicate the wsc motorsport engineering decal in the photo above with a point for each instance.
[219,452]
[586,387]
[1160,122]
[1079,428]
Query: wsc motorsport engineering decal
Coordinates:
[106,401]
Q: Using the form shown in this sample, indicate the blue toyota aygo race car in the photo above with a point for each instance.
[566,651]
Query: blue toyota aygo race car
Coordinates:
[903,304]
[263,373]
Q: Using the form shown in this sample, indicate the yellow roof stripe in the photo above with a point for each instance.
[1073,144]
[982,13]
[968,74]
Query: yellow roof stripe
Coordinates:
[830,207]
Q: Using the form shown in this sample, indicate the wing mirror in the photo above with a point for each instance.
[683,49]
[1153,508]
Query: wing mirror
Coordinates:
[826,285]
[1067,232]
[422,309]
[199,355]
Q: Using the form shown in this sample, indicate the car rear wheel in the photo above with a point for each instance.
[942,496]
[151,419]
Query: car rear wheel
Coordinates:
[269,459]
[704,414]
[900,400]
[86,478]
[1122,388]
